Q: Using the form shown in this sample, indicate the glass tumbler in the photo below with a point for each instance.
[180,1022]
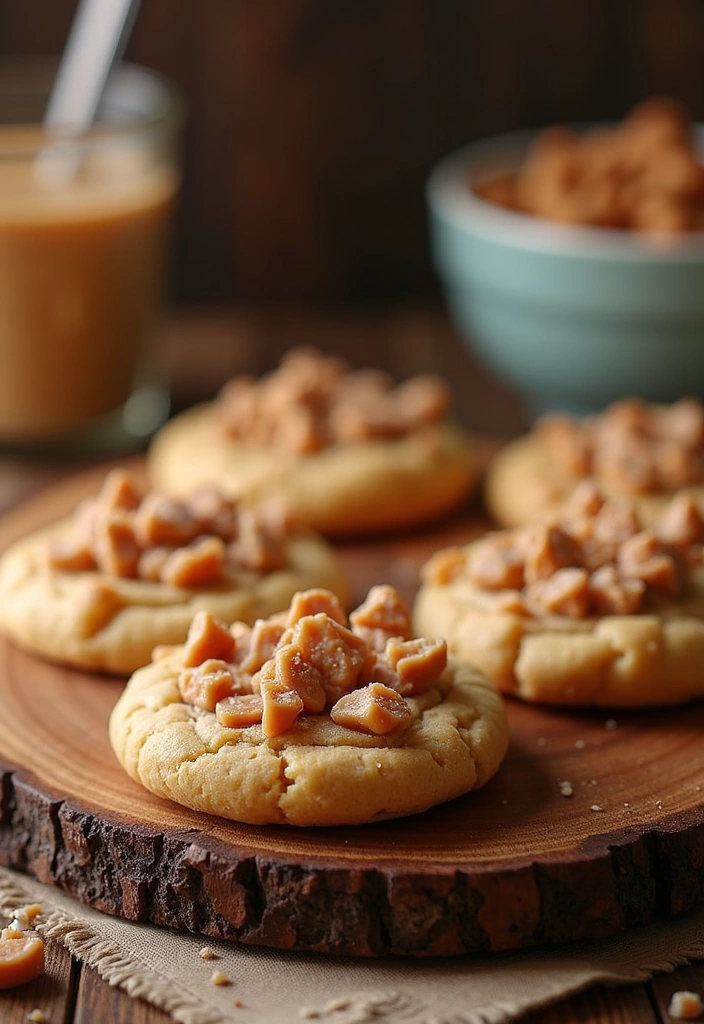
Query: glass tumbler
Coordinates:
[84,236]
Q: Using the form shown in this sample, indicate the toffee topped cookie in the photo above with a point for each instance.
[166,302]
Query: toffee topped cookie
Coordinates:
[129,570]
[310,719]
[633,449]
[590,609]
[347,452]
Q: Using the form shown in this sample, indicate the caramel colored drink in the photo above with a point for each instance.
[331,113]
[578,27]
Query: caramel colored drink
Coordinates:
[83,238]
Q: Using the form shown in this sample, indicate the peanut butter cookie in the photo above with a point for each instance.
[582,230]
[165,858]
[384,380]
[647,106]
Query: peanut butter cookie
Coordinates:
[310,719]
[646,453]
[129,570]
[346,452]
[589,609]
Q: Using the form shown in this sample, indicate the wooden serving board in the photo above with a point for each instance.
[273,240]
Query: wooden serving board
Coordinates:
[515,865]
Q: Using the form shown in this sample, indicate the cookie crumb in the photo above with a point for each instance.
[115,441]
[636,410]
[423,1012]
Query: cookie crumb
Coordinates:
[566,788]
[238,1003]
[596,807]
[611,723]
[685,1005]
[336,1004]
[207,953]
[308,1014]
[38,1017]
[580,744]
[219,978]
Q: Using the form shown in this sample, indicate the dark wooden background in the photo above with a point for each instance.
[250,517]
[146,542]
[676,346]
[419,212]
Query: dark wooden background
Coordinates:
[313,123]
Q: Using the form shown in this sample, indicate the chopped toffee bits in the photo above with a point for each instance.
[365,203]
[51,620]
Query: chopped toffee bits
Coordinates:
[308,661]
[21,950]
[207,953]
[633,447]
[642,174]
[313,401]
[195,542]
[597,559]
[374,708]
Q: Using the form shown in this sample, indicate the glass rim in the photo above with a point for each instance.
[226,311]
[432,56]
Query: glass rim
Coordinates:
[33,77]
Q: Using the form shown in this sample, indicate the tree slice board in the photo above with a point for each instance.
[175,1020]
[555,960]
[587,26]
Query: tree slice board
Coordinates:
[515,865]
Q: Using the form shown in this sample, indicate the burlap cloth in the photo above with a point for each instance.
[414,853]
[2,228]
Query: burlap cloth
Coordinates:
[270,987]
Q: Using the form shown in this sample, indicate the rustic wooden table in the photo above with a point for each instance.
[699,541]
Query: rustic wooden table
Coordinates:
[201,350]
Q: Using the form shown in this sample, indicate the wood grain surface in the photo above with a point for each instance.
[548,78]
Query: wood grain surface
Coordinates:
[515,865]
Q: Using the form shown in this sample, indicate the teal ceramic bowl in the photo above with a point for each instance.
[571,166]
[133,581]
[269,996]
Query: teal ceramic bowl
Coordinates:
[570,317]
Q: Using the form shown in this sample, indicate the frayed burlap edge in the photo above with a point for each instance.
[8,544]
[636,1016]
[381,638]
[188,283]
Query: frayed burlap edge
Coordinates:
[111,962]
[505,1012]
[392,1005]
